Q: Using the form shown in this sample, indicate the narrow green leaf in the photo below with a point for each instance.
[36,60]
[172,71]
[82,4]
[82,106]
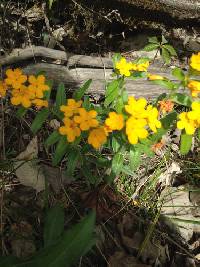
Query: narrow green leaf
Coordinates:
[150,47]
[60,96]
[52,139]
[112,92]
[165,83]
[178,73]
[61,149]
[182,99]
[165,55]
[153,40]
[78,94]
[170,49]
[198,133]
[39,120]
[135,158]
[73,157]
[47,94]
[74,243]
[21,112]
[117,163]
[115,144]
[51,3]
[186,143]
[54,225]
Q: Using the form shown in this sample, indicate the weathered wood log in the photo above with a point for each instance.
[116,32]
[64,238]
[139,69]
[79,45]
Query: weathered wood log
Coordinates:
[75,77]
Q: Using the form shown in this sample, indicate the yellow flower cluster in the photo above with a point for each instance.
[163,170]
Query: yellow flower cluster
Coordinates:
[77,119]
[190,121]
[142,117]
[22,92]
[195,61]
[194,87]
[125,67]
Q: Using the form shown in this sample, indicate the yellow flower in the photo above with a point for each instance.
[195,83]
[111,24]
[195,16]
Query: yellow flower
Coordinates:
[195,113]
[194,87]
[70,129]
[86,119]
[153,77]
[195,61]
[135,130]
[152,118]
[186,123]
[143,66]
[136,107]
[71,108]
[22,96]
[3,89]
[115,121]
[37,85]
[39,103]
[107,129]
[124,67]
[97,137]
[15,78]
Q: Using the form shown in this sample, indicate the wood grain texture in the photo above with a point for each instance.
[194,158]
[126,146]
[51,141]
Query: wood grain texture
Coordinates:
[75,77]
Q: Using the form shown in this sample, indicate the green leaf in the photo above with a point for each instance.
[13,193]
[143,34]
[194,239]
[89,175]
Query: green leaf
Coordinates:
[115,144]
[119,106]
[47,94]
[117,163]
[74,243]
[39,120]
[60,96]
[73,157]
[21,112]
[153,40]
[170,49]
[169,120]
[186,143]
[182,99]
[52,139]
[150,47]
[86,103]
[78,94]
[54,225]
[198,134]
[61,149]
[178,73]
[165,55]
[112,92]
[135,158]
[165,83]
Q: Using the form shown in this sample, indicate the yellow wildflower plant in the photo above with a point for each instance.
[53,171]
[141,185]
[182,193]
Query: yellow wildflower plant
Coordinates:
[70,129]
[152,118]
[154,77]
[37,85]
[195,113]
[86,119]
[115,121]
[135,130]
[195,61]
[194,87]
[22,96]
[71,108]
[124,67]
[186,123]
[136,107]
[39,103]
[3,88]
[97,137]
[15,78]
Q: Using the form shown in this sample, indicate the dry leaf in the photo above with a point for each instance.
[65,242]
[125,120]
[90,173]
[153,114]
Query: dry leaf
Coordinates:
[31,151]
